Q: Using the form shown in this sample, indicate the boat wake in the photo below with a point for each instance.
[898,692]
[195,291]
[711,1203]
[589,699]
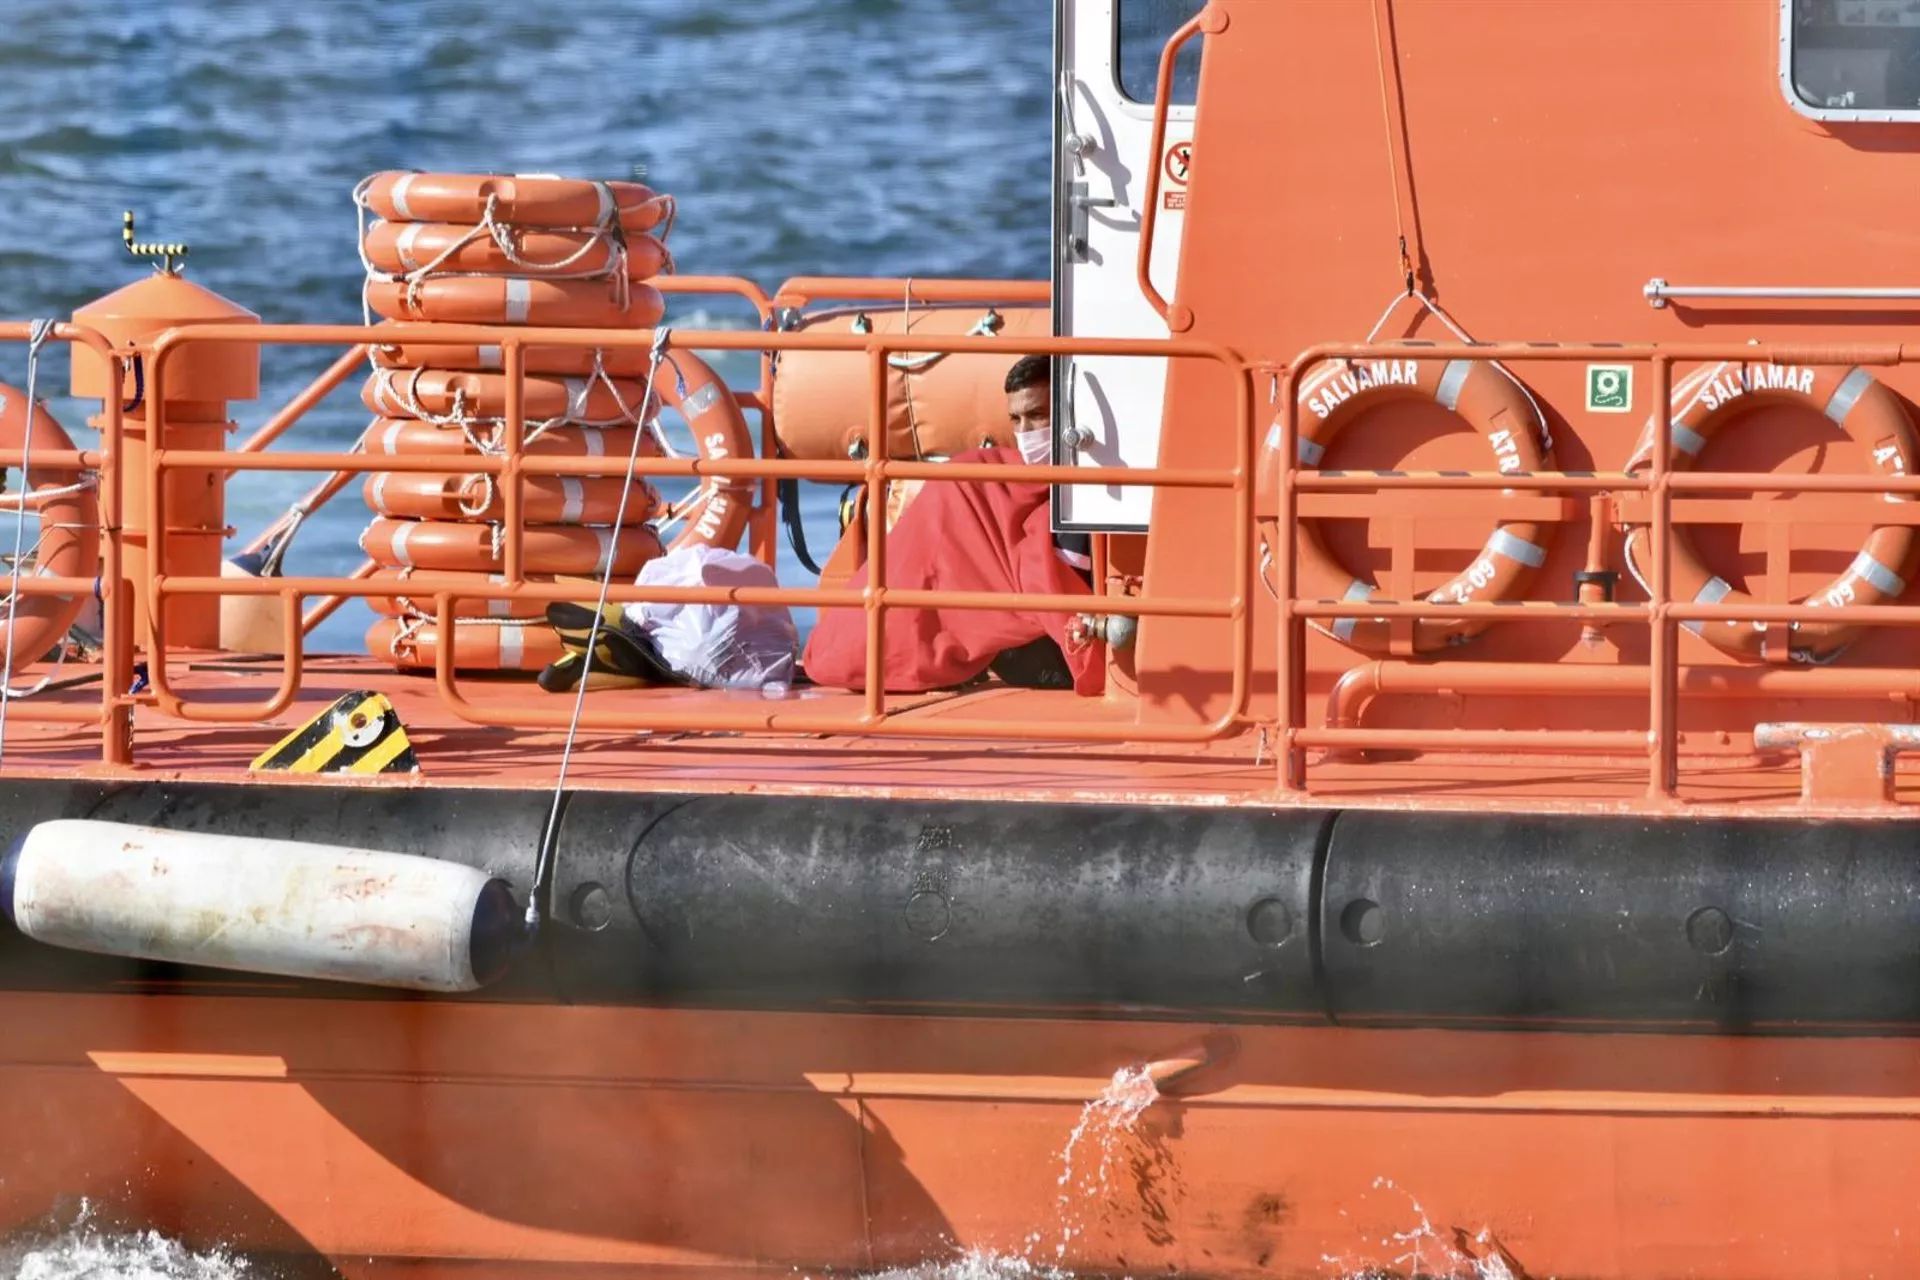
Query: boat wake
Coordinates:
[89,1250]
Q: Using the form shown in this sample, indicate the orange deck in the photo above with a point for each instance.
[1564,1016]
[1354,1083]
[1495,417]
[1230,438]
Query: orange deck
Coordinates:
[1234,771]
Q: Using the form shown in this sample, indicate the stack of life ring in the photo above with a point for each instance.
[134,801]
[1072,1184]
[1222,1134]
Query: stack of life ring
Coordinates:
[538,251]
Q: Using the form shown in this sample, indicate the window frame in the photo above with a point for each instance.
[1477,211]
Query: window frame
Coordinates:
[1125,101]
[1842,115]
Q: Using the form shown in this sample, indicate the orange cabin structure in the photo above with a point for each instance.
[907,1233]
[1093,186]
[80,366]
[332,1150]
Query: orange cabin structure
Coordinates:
[1489,859]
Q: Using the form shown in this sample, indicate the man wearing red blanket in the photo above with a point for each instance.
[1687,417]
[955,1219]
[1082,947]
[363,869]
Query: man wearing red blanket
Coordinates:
[964,536]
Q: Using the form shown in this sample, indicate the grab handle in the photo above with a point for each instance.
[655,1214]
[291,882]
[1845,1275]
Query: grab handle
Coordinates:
[1211,20]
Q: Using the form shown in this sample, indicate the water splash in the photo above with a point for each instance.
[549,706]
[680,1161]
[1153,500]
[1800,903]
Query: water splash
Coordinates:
[1097,1143]
[977,1264]
[1424,1250]
[90,1250]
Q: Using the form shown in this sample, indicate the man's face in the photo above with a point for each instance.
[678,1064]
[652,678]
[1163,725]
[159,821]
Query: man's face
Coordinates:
[1030,408]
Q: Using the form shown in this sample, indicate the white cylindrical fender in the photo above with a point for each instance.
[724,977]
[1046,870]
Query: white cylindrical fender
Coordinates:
[263,906]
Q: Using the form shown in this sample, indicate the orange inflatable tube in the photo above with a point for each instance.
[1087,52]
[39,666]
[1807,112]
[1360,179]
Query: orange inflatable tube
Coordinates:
[583,304]
[441,393]
[402,248]
[394,436]
[537,200]
[567,500]
[1707,401]
[439,544]
[937,405]
[477,646]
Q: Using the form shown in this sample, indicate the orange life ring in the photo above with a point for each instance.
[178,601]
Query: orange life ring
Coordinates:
[477,646]
[66,543]
[1490,400]
[536,200]
[416,436]
[551,548]
[581,304]
[423,495]
[618,362]
[401,248]
[420,603]
[1709,398]
[442,393]
[719,513]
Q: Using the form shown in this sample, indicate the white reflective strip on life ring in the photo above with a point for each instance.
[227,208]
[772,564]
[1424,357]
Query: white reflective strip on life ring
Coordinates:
[490,358]
[400,195]
[1311,453]
[605,534]
[573,499]
[1356,590]
[519,299]
[1688,441]
[380,493]
[593,442]
[1713,591]
[390,438]
[1452,380]
[578,392]
[403,246]
[402,530]
[1851,388]
[1876,575]
[604,194]
[512,646]
[1516,548]
[700,401]
[499,608]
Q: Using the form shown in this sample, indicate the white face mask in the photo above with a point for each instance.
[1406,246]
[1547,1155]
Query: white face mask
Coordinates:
[1036,447]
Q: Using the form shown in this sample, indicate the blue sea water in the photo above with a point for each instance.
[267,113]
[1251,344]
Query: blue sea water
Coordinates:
[830,137]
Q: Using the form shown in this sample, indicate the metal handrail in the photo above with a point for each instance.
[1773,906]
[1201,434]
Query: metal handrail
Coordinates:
[1209,19]
[1658,293]
[875,472]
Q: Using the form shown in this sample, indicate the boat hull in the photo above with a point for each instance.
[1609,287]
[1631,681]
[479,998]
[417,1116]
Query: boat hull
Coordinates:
[775,1033]
[498,1139]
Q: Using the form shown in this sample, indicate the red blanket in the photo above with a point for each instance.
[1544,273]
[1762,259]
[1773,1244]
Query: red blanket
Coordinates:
[958,536]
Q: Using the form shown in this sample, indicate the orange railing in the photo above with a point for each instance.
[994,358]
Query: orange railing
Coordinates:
[1659,742]
[1658,488]
[511,468]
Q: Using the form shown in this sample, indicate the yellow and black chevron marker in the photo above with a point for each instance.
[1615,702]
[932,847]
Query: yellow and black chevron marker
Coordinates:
[167,253]
[359,733]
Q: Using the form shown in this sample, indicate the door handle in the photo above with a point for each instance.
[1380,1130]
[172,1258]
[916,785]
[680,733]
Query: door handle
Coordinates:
[1079,204]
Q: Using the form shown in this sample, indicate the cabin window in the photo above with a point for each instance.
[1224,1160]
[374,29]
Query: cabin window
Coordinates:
[1141,32]
[1851,59]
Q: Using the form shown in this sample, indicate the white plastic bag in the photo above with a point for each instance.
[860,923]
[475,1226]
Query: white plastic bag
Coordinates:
[719,646]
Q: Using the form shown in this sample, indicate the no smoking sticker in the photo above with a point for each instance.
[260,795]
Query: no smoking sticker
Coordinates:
[1179,163]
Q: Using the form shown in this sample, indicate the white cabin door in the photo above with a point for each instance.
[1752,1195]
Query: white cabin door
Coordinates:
[1107,409]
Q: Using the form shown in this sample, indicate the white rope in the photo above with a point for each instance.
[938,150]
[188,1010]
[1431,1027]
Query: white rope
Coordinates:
[36,338]
[543,863]
[906,383]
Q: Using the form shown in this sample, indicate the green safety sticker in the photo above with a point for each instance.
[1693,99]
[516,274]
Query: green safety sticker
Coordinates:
[1609,388]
